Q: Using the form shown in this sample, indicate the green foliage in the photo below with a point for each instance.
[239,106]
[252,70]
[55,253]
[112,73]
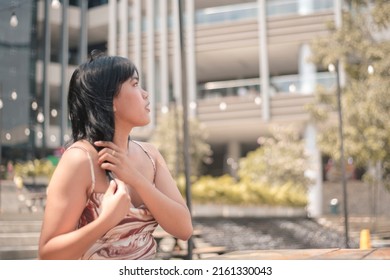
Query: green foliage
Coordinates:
[168,137]
[363,51]
[274,174]
[225,190]
[37,167]
[281,160]
[361,45]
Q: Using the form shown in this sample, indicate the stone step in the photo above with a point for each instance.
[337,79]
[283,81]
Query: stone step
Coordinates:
[19,239]
[19,235]
[23,216]
[18,252]
[19,226]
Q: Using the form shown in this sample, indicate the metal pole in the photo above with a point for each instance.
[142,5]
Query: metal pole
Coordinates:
[186,139]
[64,67]
[342,161]
[1,143]
[46,62]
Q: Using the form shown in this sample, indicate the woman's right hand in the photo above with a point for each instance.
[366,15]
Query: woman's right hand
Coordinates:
[116,203]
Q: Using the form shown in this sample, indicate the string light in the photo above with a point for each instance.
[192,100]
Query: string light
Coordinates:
[54,113]
[331,67]
[222,106]
[14,95]
[164,109]
[40,117]
[370,69]
[13,20]
[292,88]
[193,105]
[56,4]
[34,105]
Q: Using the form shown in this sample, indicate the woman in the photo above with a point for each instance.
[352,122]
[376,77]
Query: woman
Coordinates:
[89,214]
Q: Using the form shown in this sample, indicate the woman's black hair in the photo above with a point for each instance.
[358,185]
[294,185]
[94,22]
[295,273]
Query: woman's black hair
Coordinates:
[92,88]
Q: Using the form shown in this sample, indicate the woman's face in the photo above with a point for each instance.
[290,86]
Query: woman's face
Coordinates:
[131,105]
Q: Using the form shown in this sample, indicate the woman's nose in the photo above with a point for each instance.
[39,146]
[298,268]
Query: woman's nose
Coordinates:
[145,94]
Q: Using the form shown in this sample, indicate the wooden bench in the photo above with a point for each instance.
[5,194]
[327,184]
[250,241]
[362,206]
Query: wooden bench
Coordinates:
[160,234]
[178,250]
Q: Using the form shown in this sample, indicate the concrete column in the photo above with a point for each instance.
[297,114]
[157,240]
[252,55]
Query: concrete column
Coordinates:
[307,71]
[83,40]
[112,27]
[137,31]
[46,64]
[263,55]
[314,172]
[176,53]
[150,76]
[64,71]
[124,28]
[191,62]
[233,157]
[164,67]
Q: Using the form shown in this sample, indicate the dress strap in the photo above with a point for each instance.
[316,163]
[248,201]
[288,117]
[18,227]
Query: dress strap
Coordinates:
[149,156]
[90,164]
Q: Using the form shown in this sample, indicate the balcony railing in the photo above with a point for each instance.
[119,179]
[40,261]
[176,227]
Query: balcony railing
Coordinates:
[237,12]
[280,85]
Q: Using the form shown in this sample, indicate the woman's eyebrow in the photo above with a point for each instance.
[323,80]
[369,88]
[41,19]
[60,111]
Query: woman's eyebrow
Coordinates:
[135,78]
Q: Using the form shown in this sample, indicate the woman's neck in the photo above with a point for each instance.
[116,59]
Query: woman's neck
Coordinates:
[122,140]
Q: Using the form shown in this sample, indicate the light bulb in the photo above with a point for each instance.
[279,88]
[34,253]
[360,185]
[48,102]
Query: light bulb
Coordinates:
[55,4]
[14,95]
[13,20]
[40,117]
[34,105]
[370,69]
[54,113]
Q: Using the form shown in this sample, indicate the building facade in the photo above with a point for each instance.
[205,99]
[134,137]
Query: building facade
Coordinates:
[246,62]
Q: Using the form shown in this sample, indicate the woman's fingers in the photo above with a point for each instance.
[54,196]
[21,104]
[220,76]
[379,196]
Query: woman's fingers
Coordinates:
[112,187]
[107,144]
[112,158]
[110,152]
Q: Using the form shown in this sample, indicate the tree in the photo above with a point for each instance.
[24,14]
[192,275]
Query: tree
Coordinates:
[280,160]
[168,137]
[362,46]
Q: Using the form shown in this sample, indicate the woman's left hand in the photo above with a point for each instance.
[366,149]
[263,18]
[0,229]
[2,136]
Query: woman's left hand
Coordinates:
[115,159]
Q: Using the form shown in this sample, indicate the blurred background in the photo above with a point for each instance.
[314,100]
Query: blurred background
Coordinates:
[287,100]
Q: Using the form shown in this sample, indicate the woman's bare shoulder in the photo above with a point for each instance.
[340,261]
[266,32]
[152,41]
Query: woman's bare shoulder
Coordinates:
[82,145]
[151,149]
[73,168]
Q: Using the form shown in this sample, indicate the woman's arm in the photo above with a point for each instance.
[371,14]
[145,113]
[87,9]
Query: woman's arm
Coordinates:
[66,199]
[165,201]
